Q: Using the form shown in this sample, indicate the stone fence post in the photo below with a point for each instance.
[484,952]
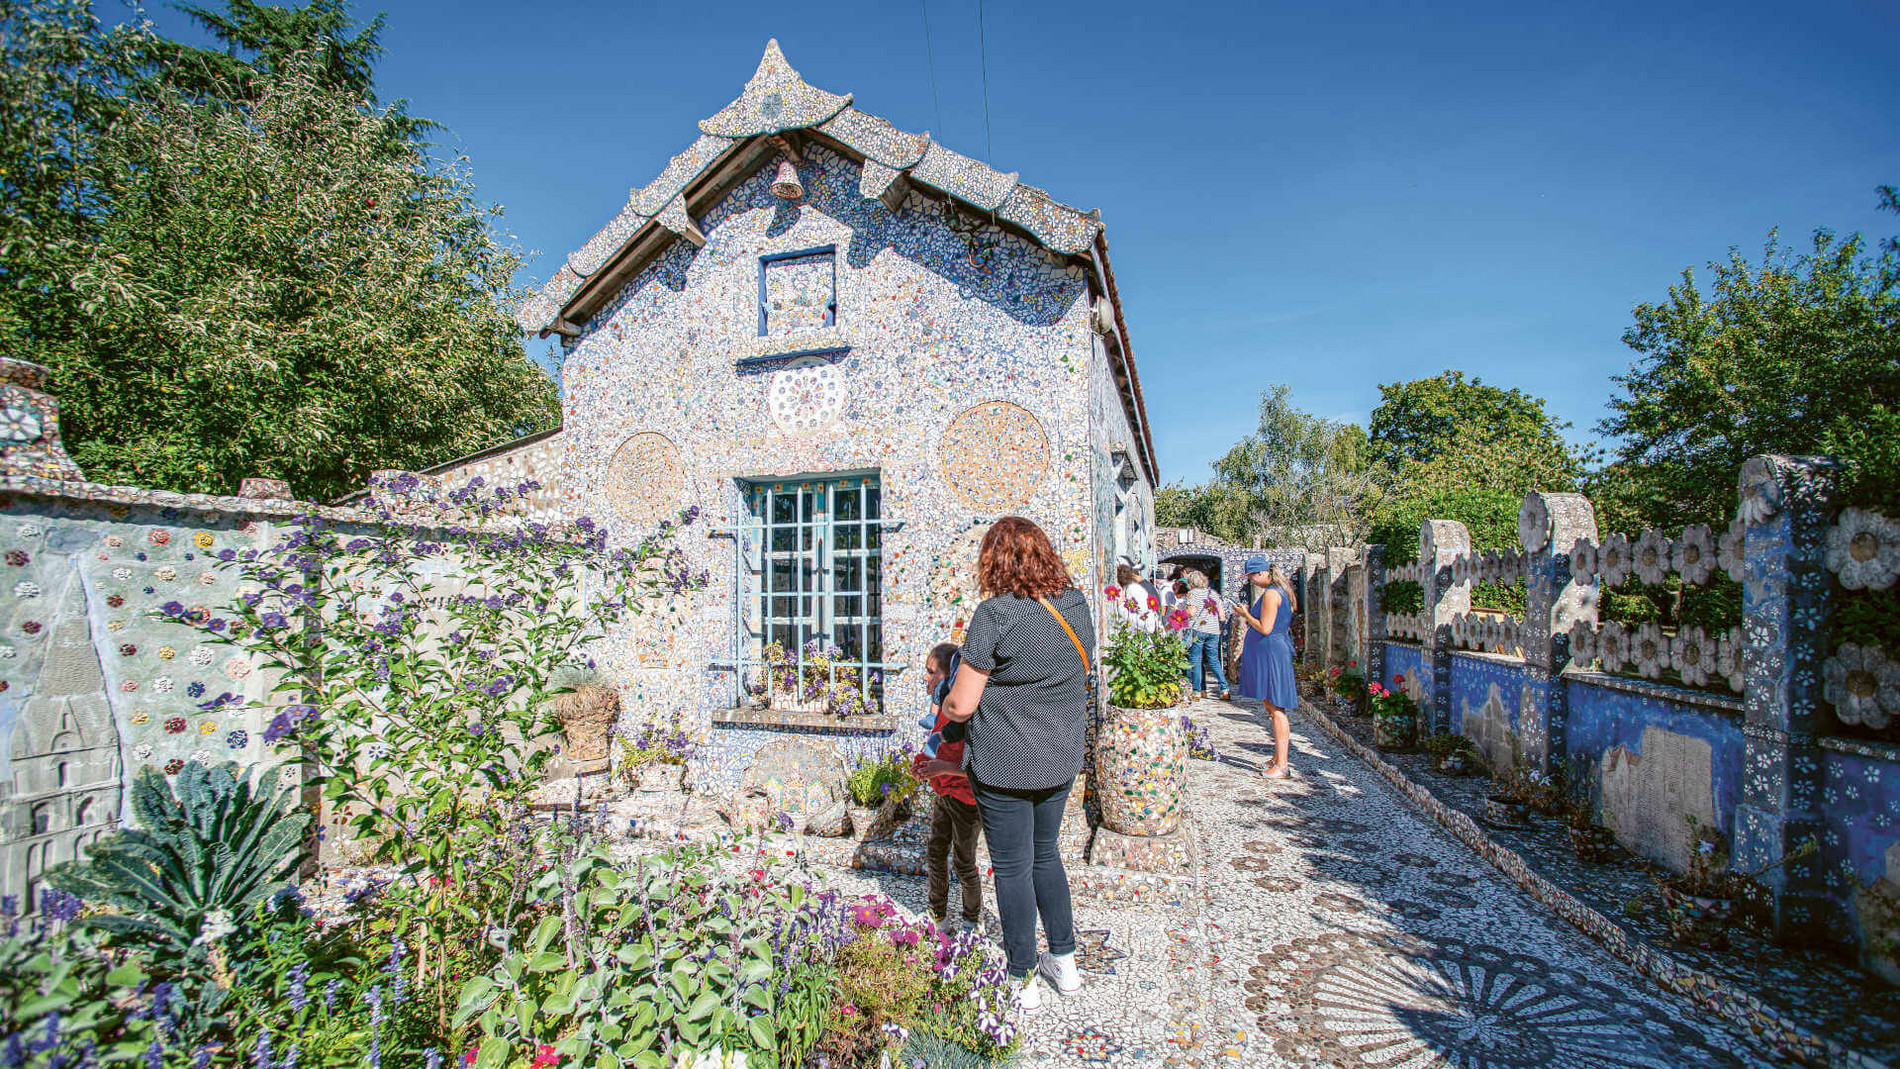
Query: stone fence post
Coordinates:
[1313,600]
[1548,526]
[1339,638]
[1785,605]
[1439,543]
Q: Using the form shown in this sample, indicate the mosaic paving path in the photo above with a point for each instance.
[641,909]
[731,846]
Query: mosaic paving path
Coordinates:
[1335,926]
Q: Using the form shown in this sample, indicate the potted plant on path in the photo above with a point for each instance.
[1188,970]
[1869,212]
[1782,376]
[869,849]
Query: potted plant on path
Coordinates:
[1394,718]
[655,759]
[1451,754]
[1349,683]
[1141,747]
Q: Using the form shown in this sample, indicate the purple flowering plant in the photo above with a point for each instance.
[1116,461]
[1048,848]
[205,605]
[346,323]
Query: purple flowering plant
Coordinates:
[415,650]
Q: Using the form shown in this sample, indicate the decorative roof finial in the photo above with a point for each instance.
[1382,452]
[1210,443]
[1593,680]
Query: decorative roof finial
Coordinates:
[775,100]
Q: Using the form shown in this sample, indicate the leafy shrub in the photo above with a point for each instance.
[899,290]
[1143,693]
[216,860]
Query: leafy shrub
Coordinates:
[1443,745]
[200,863]
[1146,669]
[886,776]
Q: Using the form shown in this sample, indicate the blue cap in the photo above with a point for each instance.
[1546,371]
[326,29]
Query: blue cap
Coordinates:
[1255,563]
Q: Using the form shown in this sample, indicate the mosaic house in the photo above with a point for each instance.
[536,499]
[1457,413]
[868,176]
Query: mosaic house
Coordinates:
[850,349]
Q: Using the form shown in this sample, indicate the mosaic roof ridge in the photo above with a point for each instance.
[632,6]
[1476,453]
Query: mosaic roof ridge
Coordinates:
[776,99]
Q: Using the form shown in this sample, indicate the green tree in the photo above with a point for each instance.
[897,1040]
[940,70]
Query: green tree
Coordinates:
[270,286]
[1423,420]
[1298,480]
[1795,354]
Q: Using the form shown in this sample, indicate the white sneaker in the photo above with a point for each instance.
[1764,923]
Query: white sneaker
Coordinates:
[1061,971]
[1029,996]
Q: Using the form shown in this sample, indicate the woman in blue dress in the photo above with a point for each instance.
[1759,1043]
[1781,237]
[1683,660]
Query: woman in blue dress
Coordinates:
[1266,653]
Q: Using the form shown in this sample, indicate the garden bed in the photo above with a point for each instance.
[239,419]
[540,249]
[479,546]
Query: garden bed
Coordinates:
[1804,1003]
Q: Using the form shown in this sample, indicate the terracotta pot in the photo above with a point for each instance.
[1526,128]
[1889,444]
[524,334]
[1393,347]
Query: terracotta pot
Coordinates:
[1592,843]
[1506,813]
[1395,732]
[1698,920]
[1141,770]
[587,714]
[657,777]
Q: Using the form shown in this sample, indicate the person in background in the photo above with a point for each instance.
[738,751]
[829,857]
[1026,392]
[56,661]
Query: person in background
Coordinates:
[1266,657]
[1023,690]
[1203,634]
[1145,613]
[954,820]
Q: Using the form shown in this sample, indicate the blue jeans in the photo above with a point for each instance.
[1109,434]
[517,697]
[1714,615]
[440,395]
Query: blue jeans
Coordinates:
[1023,829]
[1208,647]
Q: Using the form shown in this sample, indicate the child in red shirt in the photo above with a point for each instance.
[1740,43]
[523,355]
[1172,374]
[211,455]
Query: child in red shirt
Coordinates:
[954,824]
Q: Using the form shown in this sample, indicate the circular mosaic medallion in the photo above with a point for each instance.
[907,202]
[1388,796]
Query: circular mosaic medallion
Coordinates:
[806,395]
[994,455]
[645,479]
[19,423]
[1347,998]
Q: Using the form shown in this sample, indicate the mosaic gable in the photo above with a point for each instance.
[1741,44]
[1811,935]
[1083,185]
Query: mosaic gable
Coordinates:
[938,358]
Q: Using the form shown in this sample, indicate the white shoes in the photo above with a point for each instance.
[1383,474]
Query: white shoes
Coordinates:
[1060,971]
[1029,996]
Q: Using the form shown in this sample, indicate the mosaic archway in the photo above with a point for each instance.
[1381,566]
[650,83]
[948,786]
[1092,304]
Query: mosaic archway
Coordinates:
[645,480]
[994,455]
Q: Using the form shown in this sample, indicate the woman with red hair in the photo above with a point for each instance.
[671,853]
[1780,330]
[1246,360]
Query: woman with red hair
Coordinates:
[1023,689]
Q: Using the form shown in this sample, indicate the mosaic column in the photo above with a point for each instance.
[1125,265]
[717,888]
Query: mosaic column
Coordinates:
[1785,606]
[1372,566]
[1339,646]
[1314,600]
[1548,527]
[1439,543]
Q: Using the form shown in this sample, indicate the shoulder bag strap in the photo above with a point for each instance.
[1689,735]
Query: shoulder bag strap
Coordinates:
[1070,631]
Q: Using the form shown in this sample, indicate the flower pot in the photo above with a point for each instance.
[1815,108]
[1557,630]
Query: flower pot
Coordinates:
[863,820]
[658,777]
[587,714]
[1395,732]
[1592,843]
[1455,763]
[1698,920]
[1141,770]
[1502,812]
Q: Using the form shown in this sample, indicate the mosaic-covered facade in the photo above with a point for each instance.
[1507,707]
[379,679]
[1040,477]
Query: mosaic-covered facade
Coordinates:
[849,350]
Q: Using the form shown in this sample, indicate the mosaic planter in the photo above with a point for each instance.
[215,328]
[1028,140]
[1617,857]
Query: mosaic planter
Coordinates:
[1395,732]
[587,715]
[1457,763]
[1506,813]
[1593,843]
[1141,770]
[1699,921]
[657,777]
[863,820]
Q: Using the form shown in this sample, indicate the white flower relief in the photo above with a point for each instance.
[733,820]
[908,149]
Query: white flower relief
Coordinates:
[1693,556]
[1613,646]
[1649,650]
[1728,658]
[1732,551]
[1583,559]
[202,656]
[1760,493]
[1694,655]
[1583,643]
[1533,523]
[1862,685]
[1613,559]
[24,589]
[1863,548]
[1650,557]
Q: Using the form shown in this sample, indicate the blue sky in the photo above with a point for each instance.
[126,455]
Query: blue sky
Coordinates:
[1328,195]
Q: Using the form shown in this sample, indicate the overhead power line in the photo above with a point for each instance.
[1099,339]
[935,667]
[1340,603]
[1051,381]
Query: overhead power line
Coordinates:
[930,53]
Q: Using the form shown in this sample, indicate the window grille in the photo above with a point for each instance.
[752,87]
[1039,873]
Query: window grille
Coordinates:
[798,291]
[812,581]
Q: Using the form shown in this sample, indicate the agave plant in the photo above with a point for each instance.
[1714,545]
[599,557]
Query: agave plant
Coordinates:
[199,863]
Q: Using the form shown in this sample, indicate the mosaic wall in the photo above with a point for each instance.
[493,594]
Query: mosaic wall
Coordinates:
[92,688]
[959,370]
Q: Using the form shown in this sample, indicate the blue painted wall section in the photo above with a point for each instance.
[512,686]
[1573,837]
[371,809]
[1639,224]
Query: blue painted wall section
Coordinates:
[1603,718]
[1861,794]
[1472,680]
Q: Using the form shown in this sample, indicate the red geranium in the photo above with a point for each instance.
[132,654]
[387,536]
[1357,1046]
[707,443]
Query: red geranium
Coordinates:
[544,1056]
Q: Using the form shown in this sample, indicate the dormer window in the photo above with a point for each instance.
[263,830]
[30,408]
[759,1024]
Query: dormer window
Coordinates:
[798,292]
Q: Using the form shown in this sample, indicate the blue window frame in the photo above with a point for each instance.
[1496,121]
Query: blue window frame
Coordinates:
[798,291]
[811,555]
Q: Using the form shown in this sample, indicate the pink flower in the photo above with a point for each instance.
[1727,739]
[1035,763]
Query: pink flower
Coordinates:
[1154,603]
[1114,592]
